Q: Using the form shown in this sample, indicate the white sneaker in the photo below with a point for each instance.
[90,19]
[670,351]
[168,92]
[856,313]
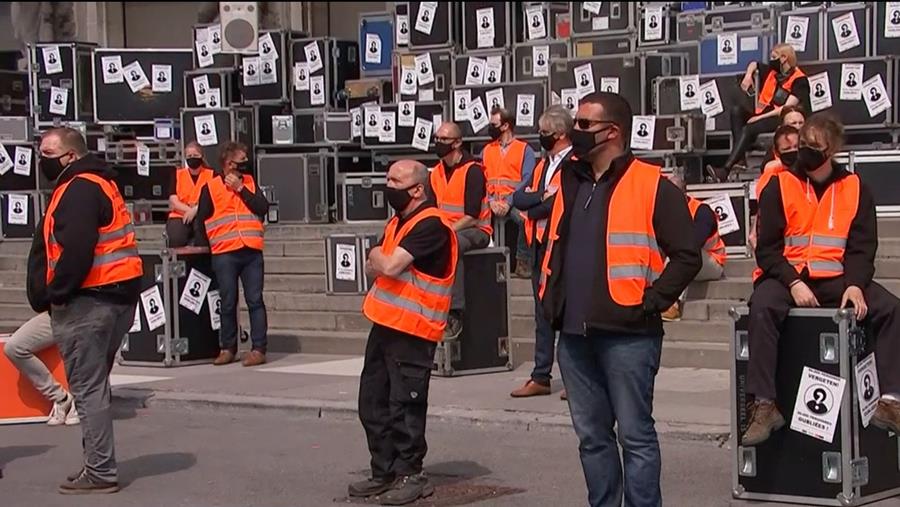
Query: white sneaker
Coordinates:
[72,418]
[60,411]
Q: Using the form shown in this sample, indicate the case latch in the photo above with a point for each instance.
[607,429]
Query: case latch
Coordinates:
[859,469]
[857,339]
[742,346]
[831,467]
[829,348]
[747,461]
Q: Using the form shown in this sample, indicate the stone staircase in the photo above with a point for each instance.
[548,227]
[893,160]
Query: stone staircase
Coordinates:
[302,318]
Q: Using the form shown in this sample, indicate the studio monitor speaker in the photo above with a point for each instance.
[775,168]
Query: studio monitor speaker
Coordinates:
[240,27]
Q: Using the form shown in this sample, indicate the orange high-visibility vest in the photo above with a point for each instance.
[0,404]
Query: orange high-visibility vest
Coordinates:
[539,227]
[815,237]
[771,84]
[772,169]
[714,246]
[187,190]
[116,256]
[503,171]
[232,225]
[634,259]
[414,302]
[451,195]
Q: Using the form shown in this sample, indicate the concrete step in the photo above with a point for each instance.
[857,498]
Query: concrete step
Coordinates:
[315,320]
[15,312]
[13,295]
[317,342]
[13,279]
[317,232]
[11,262]
[295,265]
[708,309]
[312,302]
[889,227]
[302,284]
[303,248]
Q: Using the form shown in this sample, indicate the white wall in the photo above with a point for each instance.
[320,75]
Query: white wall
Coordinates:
[159,24]
[7,41]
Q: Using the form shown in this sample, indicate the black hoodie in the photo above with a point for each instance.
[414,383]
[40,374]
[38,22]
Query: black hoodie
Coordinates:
[862,241]
[81,212]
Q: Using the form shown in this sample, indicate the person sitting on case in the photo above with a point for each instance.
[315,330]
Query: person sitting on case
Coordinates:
[184,195]
[785,146]
[816,247]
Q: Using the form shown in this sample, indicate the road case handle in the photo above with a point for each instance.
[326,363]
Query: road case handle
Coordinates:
[831,468]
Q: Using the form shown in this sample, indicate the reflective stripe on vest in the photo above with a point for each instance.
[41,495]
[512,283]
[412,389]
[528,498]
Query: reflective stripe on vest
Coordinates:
[115,258]
[451,195]
[714,246]
[503,171]
[232,225]
[634,259]
[771,84]
[413,302]
[187,190]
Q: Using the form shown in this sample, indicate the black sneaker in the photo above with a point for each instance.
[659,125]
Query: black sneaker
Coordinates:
[408,489]
[84,484]
[369,487]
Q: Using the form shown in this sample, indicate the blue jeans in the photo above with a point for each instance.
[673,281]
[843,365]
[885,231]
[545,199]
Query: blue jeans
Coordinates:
[544,335]
[609,381]
[246,264]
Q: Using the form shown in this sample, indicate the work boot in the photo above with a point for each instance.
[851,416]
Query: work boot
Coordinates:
[254,358]
[84,484]
[764,419]
[408,489]
[225,357]
[531,388]
[523,270]
[369,487]
[887,415]
[673,314]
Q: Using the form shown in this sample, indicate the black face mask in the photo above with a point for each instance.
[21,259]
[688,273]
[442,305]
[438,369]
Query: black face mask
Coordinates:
[809,159]
[494,132]
[399,198]
[548,142]
[442,149]
[788,158]
[244,167]
[775,65]
[584,142]
[194,162]
[51,167]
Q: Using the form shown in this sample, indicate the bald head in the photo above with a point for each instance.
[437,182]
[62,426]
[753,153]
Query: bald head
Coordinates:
[61,140]
[408,177]
[449,130]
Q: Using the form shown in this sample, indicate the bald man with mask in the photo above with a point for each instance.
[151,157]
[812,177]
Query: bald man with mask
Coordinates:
[413,265]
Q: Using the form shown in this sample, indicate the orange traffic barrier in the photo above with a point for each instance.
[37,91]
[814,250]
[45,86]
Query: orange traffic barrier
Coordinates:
[19,401]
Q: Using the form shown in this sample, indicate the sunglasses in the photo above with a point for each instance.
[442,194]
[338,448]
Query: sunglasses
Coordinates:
[586,123]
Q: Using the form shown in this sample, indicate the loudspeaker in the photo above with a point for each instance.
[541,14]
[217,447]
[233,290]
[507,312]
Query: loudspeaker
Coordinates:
[240,27]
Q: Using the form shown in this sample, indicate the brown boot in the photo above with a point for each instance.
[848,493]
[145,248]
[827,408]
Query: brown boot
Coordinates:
[887,415]
[531,388]
[254,358]
[673,314]
[564,395]
[523,269]
[225,357]
[765,418]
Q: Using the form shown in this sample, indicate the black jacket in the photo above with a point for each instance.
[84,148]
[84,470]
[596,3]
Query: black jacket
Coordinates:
[862,242]
[671,219]
[82,211]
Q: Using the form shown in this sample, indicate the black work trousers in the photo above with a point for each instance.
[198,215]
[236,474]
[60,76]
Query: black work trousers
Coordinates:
[769,306]
[744,134]
[393,401]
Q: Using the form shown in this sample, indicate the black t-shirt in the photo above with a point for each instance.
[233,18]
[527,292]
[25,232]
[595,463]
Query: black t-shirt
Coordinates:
[173,181]
[428,242]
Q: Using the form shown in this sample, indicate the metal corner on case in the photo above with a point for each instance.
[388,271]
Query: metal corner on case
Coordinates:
[842,314]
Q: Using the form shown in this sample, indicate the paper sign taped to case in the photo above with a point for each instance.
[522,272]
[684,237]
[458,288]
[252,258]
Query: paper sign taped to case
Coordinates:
[727,52]
[540,58]
[797,30]
[301,76]
[818,404]
[461,101]
[143,160]
[17,209]
[493,70]
[609,84]
[725,214]
[892,20]
[820,92]
[205,130]
[251,71]
[135,76]
[112,69]
[214,303]
[475,71]
[485,20]
[5,162]
[867,388]
[194,292]
[642,131]
[387,132]
[425,20]
[267,73]
[584,79]
[373,120]
[201,89]
[525,110]
[52,59]
[494,98]
[355,123]
[408,81]
[214,98]
[267,48]
[151,300]
[406,113]
[534,15]
[478,116]
[875,95]
[373,48]
[402,36]
[710,101]
[345,262]
[845,34]
[569,99]
[23,161]
[59,100]
[689,87]
[162,78]
[653,23]
[422,134]
[313,57]
[424,69]
[851,81]
[204,54]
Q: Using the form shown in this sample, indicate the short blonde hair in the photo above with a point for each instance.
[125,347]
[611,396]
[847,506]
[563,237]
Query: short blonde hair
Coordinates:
[788,51]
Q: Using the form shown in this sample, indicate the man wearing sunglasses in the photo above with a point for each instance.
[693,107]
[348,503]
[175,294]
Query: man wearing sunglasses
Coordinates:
[458,184]
[615,220]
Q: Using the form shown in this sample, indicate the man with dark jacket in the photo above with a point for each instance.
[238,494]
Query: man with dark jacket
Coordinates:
[817,242]
[605,281]
[85,269]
